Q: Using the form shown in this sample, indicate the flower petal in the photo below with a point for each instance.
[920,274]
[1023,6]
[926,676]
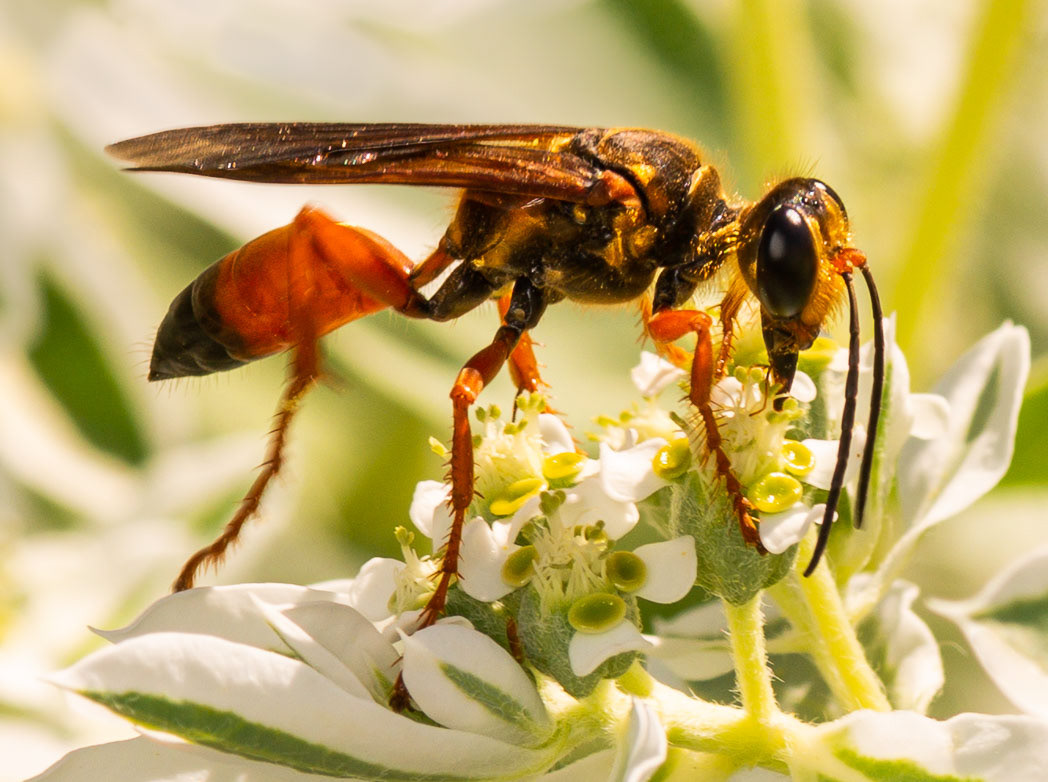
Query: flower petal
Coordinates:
[803,388]
[352,640]
[462,679]
[555,434]
[629,475]
[587,651]
[644,750]
[671,568]
[908,656]
[229,612]
[654,373]
[587,504]
[373,587]
[1006,628]
[779,531]
[825,453]
[939,477]
[428,497]
[264,705]
[145,759]
[902,744]
[484,551]
[931,416]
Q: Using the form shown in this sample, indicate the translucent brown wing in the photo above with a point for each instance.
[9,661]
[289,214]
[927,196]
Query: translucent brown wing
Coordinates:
[518,159]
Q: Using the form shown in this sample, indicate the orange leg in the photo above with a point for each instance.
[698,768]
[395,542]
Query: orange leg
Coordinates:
[669,325]
[523,366]
[478,372]
[675,354]
[304,373]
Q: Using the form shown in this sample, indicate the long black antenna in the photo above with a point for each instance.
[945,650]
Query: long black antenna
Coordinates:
[851,395]
[876,393]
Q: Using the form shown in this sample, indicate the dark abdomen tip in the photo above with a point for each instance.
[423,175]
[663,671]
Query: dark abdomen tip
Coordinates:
[184,347]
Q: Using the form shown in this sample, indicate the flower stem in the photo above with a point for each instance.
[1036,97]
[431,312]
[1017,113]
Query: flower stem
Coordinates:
[752,675]
[857,686]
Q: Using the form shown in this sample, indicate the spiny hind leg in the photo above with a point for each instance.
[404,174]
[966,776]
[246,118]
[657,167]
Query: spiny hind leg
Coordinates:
[667,326]
[376,276]
[305,370]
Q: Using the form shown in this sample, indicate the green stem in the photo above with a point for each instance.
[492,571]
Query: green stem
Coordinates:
[959,163]
[788,596]
[860,688]
[752,674]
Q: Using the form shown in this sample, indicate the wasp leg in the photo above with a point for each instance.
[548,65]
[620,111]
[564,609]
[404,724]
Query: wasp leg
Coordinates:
[305,370]
[526,307]
[523,366]
[669,325]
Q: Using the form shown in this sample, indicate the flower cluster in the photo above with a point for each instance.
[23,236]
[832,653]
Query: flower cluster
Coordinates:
[547,662]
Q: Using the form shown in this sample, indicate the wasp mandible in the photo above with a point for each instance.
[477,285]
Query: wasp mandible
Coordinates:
[546,213]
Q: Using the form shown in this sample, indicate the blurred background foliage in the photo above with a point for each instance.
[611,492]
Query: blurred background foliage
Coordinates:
[929,118]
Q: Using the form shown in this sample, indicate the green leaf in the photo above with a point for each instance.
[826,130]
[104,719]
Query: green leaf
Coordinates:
[70,361]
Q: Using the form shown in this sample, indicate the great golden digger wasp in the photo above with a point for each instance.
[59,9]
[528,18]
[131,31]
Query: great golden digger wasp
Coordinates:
[546,213]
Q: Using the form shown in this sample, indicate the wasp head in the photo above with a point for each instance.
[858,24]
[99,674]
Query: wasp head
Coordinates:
[793,247]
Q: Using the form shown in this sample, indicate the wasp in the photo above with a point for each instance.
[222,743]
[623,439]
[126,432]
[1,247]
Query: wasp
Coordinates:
[546,213]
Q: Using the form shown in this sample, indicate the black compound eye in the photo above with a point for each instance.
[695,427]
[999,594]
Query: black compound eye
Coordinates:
[786,263]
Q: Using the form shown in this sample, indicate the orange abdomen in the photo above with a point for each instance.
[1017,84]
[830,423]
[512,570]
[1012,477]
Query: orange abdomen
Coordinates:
[274,292]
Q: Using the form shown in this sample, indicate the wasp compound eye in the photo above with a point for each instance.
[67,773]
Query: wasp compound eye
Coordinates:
[786,263]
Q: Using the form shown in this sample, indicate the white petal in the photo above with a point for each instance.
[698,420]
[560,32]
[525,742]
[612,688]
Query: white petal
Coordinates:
[229,612]
[555,434]
[484,551]
[931,416]
[939,477]
[587,504]
[671,568]
[588,650]
[654,373]
[316,655]
[970,746]
[803,388]
[825,453]
[629,475]
[726,392]
[257,701]
[1008,641]
[644,750]
[911,664]
[779,531]
[145,759]
[463,679]
[374,586]
[428,497]
[353,640]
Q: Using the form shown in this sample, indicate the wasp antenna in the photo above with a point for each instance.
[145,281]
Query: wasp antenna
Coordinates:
[851,394]
[876,393]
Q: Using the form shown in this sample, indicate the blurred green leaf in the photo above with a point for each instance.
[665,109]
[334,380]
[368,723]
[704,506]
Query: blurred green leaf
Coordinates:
[73,366]
[1029,466]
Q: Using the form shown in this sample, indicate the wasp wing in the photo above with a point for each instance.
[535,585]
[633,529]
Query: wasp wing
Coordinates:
[528,160]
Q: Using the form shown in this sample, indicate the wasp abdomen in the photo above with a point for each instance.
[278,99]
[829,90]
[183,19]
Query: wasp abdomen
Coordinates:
[187,343]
